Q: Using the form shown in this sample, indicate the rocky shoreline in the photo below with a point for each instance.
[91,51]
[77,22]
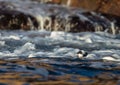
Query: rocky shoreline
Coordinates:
[13,15]
[18,69]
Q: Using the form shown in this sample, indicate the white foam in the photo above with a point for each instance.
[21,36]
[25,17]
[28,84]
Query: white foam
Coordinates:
[92,57]
[14,37]
[59,44]
[66,52]
[109,58]
[2,43]
[57,35]
[27,47]
[6,54]
[38,54]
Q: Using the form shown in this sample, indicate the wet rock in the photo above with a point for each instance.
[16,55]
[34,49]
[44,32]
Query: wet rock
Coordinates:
[14,22]
[53,18]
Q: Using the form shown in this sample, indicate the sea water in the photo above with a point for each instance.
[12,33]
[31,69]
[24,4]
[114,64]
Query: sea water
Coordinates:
[28,44]
[58,47]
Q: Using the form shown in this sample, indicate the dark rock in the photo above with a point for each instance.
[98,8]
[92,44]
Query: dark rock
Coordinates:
[54,18]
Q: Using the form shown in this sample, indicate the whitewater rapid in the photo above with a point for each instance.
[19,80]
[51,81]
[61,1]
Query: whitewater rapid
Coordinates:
[99,45]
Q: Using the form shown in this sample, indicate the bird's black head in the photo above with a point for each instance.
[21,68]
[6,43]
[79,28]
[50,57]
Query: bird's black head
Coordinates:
[82,53]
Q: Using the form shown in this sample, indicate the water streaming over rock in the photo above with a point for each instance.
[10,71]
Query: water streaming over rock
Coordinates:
[32,15]
[69,40]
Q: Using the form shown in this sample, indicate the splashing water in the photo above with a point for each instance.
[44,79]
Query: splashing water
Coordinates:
[22,44]
[59,48]
[52,18]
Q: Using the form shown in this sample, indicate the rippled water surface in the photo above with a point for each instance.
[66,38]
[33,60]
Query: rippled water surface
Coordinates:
[60,49]
[39,55]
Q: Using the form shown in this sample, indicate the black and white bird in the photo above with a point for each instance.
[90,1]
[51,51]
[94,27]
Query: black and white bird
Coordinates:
[81,54]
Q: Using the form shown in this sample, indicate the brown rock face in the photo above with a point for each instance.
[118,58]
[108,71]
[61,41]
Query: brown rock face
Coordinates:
[104,6]
[110,7]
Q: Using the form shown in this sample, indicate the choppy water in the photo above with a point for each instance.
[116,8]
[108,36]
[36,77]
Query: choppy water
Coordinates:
[46,44]
[58,48]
